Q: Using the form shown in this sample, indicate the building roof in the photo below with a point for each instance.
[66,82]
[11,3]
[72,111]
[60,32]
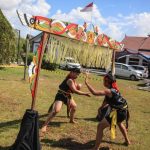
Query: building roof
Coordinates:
[133,43]
[37,37]
[136,45]
[146,44]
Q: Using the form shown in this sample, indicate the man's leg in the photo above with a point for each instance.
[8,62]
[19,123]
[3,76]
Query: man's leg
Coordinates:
[68,109]
[57,107]
[99,135]
[124,132]
[73,106]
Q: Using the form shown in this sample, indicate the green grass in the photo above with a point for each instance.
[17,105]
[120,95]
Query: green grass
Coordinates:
[15,98]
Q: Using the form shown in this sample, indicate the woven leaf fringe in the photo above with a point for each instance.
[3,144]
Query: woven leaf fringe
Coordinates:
[87,55]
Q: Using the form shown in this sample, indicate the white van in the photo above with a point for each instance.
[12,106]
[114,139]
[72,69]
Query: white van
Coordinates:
[127,71]
[69,63]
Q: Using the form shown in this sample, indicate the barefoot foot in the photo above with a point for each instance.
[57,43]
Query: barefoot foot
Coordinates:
[72,121]
[44,129]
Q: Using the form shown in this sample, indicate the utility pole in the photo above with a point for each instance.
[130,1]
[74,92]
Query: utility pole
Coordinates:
[18,45]
[25,65]
[113,63]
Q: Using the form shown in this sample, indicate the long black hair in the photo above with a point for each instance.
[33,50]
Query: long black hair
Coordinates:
[112,81]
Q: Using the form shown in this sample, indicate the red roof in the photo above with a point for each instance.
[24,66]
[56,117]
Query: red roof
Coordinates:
[133,43]
[146,44]
[140,45]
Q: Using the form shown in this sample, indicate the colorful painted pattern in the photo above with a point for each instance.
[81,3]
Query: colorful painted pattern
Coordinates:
[71,30]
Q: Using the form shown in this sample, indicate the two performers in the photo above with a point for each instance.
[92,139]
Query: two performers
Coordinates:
[113,111]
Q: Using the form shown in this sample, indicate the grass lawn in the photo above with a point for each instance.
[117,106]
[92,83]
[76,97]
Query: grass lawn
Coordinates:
[15,98]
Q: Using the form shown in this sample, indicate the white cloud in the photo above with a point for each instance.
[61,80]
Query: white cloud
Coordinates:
[140,23]
[133,25]
[6,4]
[34,7]
[115,27]
[114,31]
[79,17]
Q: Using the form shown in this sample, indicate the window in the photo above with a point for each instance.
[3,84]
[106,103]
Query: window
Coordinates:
[118,65]
[122,60]
[139,68]
[145,63]
[133,61]
[124,67]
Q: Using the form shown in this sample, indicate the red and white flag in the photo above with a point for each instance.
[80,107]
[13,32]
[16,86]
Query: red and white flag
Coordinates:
[87,8]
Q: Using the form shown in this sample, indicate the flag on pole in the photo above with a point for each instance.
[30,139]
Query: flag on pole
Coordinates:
[87,8]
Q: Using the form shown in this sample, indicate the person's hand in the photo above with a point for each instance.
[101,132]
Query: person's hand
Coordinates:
[88,95]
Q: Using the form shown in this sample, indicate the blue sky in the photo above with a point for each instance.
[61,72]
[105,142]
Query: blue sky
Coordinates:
[107,7]
[114,17]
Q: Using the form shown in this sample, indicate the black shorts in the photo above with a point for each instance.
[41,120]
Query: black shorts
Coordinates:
[121,116]
[62,97]
[105,113]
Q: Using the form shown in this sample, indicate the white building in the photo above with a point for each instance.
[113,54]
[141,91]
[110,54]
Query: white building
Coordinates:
[136,51]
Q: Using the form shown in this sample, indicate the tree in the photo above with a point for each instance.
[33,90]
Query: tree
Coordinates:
[7,41]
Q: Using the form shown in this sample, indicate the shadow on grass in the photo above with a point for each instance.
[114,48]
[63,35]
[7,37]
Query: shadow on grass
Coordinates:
[86,119]
[115,143]
[141,85]
[52,124]
[90,119]
[4,148]
[68,143]
[14,122]
[2,68]
[71,144]
[146,112]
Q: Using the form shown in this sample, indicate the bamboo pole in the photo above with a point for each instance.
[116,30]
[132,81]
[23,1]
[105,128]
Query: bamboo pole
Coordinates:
[40,56]
[113,63]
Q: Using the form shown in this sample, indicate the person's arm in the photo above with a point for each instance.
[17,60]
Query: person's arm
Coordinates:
[95,92]
[75,90]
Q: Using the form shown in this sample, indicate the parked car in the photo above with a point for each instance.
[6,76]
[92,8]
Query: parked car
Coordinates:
[143,69]
[127,71]
[69,63]
[97,71]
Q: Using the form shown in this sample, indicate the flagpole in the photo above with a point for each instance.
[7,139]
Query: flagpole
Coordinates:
[91,21]
[88,8]
[92,18]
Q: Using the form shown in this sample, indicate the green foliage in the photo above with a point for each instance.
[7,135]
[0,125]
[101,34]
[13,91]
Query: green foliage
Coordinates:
[62,135]
[48,66]
[45,63]
[7,41]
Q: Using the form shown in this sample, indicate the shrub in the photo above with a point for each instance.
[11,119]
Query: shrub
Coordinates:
[45,63]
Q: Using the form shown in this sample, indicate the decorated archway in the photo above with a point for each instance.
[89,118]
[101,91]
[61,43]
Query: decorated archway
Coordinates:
[61,38]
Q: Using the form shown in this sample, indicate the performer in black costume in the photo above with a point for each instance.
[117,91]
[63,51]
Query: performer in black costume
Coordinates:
[64,95]
[114,110]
